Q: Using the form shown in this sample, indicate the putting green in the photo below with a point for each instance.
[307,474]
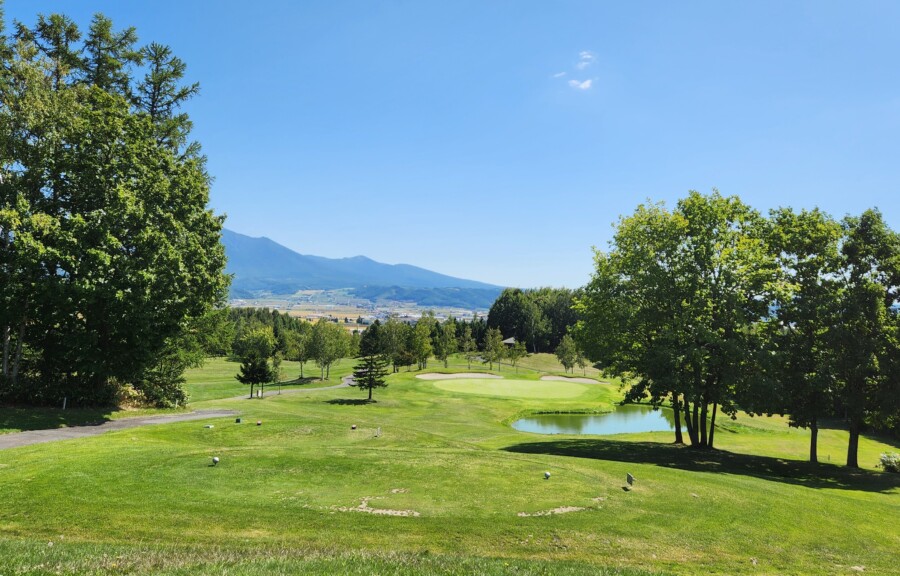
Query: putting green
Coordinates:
[508,388]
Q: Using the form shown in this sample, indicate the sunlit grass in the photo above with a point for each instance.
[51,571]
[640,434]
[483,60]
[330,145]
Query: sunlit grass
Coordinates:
[305,492]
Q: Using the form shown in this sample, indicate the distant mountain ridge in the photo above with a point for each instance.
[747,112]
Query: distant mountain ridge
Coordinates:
[262,266]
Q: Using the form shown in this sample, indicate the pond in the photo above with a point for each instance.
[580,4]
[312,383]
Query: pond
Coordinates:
[630,418]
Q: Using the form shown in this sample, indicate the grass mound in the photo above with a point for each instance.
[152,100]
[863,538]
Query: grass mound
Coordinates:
[513,388]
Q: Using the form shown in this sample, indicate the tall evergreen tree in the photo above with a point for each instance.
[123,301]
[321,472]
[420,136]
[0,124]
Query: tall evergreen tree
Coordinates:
[370,372]
[109,254]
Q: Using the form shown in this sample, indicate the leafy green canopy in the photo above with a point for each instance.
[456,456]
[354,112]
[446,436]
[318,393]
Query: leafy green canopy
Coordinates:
[711,305]
[674,305]
[108,253]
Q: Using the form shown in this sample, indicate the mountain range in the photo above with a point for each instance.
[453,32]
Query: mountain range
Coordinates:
[262,267]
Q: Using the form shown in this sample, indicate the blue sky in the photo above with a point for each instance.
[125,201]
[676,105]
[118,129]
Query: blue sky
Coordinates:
[501,140]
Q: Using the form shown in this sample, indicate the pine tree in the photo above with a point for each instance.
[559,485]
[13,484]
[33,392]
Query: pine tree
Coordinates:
[370,373]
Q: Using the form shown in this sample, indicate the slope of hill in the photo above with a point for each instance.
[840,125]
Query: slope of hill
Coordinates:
[262,266]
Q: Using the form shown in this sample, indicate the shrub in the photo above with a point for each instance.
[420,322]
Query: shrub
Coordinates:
[890,462]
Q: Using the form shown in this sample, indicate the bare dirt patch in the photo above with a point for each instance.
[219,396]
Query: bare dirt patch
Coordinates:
[578,379]
[364,507]
[560,510]
[461,375]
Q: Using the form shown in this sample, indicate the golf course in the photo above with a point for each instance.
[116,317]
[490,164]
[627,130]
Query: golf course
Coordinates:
[432,479]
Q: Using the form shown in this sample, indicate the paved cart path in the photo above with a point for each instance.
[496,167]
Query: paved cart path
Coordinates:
[16,439]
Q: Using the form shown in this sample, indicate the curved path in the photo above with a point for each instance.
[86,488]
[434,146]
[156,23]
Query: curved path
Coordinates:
[345,382]
[29,437]
[16,439]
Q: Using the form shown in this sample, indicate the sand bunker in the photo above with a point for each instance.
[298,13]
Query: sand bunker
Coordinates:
[560,510]
[436,376]
[571,379]
[364,507]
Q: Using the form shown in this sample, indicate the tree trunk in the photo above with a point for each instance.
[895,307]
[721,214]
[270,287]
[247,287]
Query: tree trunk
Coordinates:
[813,440]
[695,438]
[676,407]
[703,412]
[712,424]
[370,393]
[853,444]
[14,377]
[692,432]
[251,390]
[6,337]
[301,369]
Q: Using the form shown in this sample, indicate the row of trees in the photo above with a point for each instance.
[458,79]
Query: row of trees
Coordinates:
[262,339]
[267,337]
[109,257]
[712,306]
[540,318]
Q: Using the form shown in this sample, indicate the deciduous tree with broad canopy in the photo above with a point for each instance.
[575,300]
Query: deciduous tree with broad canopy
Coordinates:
[674,307]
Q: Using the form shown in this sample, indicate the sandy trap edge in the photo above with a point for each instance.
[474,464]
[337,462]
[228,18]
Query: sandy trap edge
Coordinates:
[436,376]
[571,379]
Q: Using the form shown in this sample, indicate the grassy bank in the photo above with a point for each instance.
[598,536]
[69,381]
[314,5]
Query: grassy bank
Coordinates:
[446,487]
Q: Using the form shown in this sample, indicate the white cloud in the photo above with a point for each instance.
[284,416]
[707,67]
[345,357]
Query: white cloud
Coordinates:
[585,59]
[585,85]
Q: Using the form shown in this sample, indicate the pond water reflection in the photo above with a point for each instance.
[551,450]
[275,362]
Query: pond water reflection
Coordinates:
[630,418]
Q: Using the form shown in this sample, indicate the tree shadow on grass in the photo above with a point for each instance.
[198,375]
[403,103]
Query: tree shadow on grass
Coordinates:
[350,401]
[42,418]
[695,460]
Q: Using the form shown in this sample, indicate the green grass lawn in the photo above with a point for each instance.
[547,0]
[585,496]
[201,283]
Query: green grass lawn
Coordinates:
[542,363]
[446,488]
[216,378]
[514,388]
[22,419]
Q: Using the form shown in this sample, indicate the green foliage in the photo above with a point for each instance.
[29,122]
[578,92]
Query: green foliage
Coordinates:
[567,352]
[867,334]
[370,373]
[890,461]
[493,347]
[445,342]
[420,339]
[258,347]
[395,337]
[802,331]
[712,305]
[674,305]
[329,342]
[467,344]
[255,371]
[539,317]
[108,254]
[515,353]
